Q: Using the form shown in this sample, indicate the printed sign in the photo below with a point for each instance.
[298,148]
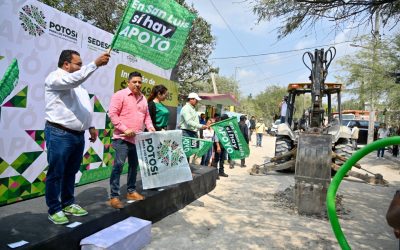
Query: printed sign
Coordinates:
[162,161]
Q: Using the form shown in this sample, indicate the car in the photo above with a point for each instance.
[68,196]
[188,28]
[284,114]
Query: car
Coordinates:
[363,126]
[274,127]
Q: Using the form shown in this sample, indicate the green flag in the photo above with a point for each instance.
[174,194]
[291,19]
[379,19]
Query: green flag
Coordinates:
[195,146]
[9,80]
[231,138]
[155,30]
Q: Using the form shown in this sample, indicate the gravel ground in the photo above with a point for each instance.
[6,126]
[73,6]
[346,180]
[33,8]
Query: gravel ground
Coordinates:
[258,212]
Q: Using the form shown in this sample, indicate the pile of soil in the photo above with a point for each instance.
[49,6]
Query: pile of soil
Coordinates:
[285,200]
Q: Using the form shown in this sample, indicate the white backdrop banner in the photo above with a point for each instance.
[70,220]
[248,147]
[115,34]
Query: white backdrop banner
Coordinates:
[35,34]
[162,160]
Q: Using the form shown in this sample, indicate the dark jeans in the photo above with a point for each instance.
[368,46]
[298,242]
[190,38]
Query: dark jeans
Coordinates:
[189,133]
[219,158]
[206,157]
[64,156]
[283,119]
[354,144]
[381,152]
[395,151]
[250,133]
[123,149]
[259,139]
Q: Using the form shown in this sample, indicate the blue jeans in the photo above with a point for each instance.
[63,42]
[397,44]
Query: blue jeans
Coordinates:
[123,149]
[64,156]
[381,152]
[206,157]
[259,139]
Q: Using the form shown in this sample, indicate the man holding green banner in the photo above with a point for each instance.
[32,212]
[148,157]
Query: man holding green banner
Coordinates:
[155,30]
[231,138]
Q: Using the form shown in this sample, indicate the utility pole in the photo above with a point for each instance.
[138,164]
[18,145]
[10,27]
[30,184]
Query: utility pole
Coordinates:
[213,83]
[371,125]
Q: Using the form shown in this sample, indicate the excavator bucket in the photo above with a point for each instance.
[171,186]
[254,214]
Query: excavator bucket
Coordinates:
[312,172]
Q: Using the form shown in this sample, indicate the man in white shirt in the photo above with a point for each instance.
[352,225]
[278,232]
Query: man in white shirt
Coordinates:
[354,136]
[283,107]
[189,122]
[68,115]
[382,133]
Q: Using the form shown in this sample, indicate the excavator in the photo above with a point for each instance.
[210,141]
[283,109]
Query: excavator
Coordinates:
[316,145]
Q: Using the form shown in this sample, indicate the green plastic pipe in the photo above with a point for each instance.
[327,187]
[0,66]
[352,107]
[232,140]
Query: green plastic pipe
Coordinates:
[333,187]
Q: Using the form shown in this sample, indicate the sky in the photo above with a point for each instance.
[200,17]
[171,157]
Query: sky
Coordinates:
[237,33]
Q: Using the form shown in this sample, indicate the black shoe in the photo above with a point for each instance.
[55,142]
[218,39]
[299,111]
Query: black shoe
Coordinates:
[243,166]
[223,175]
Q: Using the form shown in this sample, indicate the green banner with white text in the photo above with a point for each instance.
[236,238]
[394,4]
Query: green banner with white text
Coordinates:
[195,146]
[231,138]
[155,30]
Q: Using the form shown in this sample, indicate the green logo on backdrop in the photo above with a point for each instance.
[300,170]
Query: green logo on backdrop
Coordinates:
[32,20]
[176,153]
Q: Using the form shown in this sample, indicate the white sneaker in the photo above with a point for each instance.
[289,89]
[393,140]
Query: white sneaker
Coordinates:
[377,157]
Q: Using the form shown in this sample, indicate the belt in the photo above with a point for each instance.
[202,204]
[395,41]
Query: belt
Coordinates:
[59,126]
[189,130]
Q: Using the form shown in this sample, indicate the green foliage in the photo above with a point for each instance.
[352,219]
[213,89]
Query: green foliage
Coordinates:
[193,65]
[102,14]
[368,74]
[352,104]
[264,105]
[297,14]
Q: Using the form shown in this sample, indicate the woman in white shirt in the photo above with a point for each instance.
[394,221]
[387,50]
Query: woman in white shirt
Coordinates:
[208,135]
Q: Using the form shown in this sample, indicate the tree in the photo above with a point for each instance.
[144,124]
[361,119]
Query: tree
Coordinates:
[193,64]
[266,104]
[297,14]
[102,14]
[368,76]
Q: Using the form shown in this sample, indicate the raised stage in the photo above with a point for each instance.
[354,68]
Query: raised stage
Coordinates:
[27,220]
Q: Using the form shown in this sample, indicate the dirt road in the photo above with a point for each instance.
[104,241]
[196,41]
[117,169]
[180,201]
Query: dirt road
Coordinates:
[246,212]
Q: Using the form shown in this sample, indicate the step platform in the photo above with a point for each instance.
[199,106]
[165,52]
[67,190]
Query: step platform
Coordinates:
[27,220]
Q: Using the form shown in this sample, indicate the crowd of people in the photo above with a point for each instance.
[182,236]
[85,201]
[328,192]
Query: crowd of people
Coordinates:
[69,114]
